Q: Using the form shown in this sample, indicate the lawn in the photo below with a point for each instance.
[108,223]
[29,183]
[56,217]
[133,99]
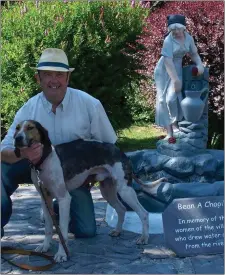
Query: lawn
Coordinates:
[139,137]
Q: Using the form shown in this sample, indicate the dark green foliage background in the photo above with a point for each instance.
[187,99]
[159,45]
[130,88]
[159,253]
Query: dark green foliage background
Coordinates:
[100,41]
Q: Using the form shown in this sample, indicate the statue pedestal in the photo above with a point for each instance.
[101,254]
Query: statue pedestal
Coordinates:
[191,140]
[150,165]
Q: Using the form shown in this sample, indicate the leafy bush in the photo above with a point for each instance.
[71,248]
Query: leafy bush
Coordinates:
[139,108]
[205,22]
[99,39]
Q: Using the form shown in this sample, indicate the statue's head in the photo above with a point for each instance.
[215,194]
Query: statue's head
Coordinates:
[176,24]
[176,19]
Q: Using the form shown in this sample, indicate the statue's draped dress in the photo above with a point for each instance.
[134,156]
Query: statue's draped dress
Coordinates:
[168,108]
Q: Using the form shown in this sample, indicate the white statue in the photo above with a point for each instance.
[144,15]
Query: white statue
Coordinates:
[168,73]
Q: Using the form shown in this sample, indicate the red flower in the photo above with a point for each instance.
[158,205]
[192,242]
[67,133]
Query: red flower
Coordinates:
[172,140]
[194,71]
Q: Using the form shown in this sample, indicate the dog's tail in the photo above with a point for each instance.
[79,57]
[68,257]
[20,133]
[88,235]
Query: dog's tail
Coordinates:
[149,184]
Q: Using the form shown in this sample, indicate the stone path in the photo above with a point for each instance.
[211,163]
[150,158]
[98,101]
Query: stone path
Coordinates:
[101,254]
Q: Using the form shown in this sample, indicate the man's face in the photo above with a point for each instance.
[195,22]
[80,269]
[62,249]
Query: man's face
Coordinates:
[53,84]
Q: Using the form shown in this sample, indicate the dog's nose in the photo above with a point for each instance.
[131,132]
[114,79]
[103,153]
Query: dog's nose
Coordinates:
[19,140]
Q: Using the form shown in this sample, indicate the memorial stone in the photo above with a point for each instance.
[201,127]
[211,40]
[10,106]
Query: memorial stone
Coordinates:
[194,226]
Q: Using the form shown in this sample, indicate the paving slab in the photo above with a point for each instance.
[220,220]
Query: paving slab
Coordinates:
[99,255]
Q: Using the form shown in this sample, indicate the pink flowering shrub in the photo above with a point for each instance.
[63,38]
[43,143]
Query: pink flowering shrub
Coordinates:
[205,22]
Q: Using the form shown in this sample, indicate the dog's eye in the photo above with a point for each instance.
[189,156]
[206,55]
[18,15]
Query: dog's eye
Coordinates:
[17,128]
[30,128]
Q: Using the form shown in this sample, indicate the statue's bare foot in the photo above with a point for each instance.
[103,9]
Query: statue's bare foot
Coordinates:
[167,137]
[152,187]
[163,179]
[176,130]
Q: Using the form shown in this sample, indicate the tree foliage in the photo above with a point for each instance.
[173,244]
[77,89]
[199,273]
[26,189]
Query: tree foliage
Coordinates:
[99,39]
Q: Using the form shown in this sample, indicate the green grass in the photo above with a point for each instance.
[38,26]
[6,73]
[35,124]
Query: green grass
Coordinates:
[139,137]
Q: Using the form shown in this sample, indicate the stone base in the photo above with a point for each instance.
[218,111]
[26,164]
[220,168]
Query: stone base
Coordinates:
[207,166]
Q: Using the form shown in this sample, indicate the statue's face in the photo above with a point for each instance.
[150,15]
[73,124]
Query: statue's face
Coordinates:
[178,33]
[177,30]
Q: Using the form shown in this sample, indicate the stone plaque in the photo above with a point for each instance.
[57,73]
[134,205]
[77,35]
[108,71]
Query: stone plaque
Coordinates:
[195,225]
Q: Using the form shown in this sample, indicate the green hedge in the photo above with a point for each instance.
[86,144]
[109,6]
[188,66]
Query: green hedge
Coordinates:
[99,39]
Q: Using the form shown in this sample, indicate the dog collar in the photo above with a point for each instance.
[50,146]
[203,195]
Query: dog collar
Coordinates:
[34,166]
[17,152]
[46,151]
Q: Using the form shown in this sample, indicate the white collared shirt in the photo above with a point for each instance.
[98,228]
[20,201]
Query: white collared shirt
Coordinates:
[78,116]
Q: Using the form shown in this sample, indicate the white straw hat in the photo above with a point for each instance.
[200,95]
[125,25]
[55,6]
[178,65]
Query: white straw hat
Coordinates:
[53,60]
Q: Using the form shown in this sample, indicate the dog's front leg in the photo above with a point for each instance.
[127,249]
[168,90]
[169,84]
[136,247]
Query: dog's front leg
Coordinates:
[48,228]
[64,216]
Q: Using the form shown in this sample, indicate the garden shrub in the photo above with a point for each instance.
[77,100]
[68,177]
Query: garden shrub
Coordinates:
[99,39]
[205,22]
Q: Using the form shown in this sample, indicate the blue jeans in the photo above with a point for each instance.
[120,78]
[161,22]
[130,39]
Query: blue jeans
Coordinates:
[82,215]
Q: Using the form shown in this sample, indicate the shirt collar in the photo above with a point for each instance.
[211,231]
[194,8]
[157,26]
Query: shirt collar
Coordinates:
[63,105]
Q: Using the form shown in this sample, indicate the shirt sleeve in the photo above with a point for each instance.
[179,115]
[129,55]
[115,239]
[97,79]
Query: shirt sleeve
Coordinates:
[167,49]
[8,141]
[193,48]
[101,128]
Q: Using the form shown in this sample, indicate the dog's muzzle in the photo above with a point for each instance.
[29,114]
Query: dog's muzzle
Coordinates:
[21,141]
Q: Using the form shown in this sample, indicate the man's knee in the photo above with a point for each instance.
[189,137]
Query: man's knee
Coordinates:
[6,207]
[82,214]
[83,232]
[88,232]
[6,210]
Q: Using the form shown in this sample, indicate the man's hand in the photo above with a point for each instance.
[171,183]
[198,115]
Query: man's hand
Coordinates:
[33,153]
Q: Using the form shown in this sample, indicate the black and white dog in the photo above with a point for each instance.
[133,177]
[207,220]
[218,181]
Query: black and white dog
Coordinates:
[67,166]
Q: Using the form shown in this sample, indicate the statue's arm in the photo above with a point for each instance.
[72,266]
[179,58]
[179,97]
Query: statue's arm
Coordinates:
[197,60]
[171,70]
[195,57]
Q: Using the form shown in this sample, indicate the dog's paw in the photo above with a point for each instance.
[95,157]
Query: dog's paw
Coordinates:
[114,233]
[60,257]
[43,247]
[142,240]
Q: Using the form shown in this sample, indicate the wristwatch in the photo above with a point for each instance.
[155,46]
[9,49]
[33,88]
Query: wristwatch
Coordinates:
[17,152]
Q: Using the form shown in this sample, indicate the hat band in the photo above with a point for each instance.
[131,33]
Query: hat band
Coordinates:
[53,64]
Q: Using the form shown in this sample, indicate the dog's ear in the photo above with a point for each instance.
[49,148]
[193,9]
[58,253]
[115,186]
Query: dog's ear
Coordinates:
[43,134]
[16,129]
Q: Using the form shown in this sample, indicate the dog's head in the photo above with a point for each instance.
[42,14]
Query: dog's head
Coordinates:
[29,132]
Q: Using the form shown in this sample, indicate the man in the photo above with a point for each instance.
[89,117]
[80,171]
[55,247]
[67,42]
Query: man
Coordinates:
[67,114]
